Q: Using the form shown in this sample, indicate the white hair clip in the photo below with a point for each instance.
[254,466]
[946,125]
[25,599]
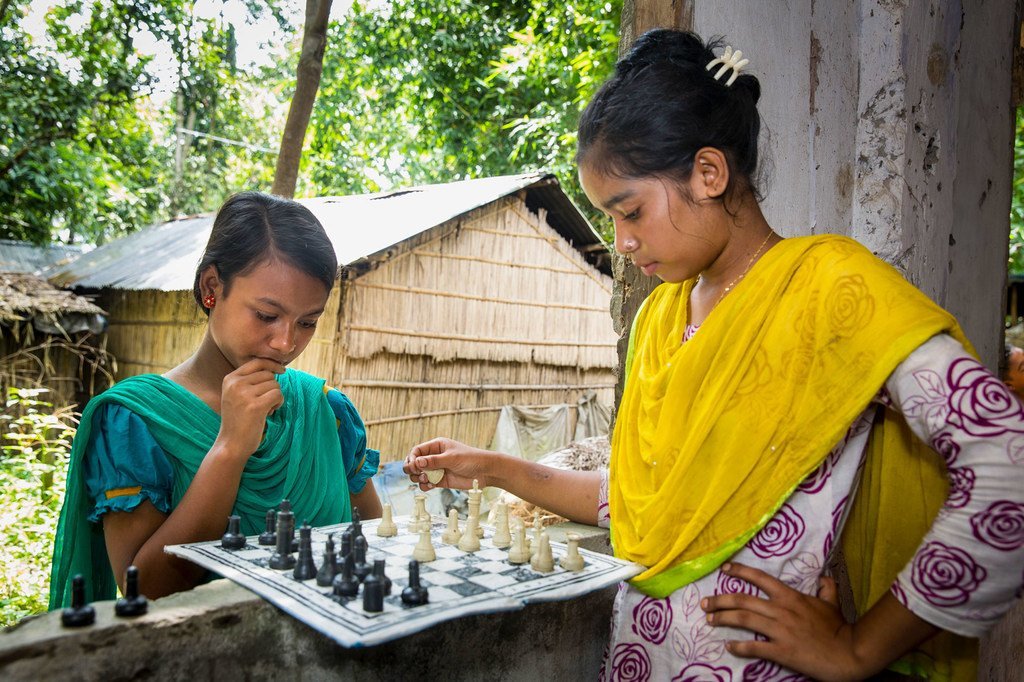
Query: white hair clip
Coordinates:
[728,60]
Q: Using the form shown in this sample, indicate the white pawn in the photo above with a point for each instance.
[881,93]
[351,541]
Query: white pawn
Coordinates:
[542,561]
[573,560]
[520,552]
[387,528]
[452,534]
[502,537]
[424,550]
[469,542]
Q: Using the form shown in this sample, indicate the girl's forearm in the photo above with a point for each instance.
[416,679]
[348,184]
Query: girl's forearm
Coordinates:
[572,494]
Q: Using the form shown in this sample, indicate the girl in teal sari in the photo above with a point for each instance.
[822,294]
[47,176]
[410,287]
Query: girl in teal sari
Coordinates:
[164,459]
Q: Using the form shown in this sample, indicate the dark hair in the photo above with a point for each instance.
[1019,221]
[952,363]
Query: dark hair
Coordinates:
[662,105]
[252,227]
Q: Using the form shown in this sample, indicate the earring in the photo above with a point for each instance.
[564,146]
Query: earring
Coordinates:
[209,301]
[629,245]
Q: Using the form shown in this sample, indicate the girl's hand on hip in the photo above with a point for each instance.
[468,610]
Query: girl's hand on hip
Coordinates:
[805,633]
[248,396]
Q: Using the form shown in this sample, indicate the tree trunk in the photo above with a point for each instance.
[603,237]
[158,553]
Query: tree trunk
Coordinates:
[311,64]
[631,286]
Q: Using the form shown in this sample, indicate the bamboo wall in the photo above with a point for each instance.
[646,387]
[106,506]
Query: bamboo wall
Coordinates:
[489,309]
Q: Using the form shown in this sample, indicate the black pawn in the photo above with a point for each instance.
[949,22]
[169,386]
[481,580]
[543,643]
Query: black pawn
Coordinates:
[305,569]
[233,539]
[378,570]
[415,594]
[269,536]
[329,568]
[345,583]
[373,594]
[79,614]
[282,558]
[132,604]
[361,568]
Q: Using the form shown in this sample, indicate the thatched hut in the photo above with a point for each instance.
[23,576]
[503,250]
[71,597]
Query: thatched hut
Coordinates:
[454,301]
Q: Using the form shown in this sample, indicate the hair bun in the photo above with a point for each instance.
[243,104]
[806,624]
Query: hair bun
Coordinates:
[681,48]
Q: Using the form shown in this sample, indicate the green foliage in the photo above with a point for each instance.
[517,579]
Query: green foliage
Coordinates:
[1017,200]
[421,92]
[36,441]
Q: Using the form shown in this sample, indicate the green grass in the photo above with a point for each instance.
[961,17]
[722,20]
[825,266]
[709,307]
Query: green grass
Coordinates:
[36,440]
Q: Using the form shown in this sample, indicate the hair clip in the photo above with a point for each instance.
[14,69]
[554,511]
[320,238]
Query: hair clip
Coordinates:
[728,60]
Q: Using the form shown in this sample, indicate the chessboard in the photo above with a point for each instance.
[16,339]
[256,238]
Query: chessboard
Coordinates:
[459,583]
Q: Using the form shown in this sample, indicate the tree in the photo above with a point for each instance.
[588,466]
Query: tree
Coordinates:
[314,40]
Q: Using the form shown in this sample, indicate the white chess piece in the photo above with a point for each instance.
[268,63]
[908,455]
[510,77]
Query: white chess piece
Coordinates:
[424,550]
[387,528]
[502,537]
[519,553]
[573,560]
[538,528]
[475,497]
[419,511]
[469,542]
[543,561]
[452,534]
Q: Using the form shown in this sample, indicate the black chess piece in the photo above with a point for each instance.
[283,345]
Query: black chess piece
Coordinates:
[345,583]
[378,570]
[269,536]
[373,594]
[361,568]
[79,614]
[282,558]
[356,526]
[132,604]
[233,539]
[305,568]
[329,568]
[415,594]
[286,508]
[346,547]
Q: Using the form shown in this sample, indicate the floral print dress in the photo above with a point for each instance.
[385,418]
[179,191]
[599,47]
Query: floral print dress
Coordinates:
[963,577]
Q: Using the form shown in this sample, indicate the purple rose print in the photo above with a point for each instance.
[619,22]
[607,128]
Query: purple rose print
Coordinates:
[901,596]
[630,663]
[779,536]
[699,672]
[944,444]
[819,477]
[980,403]
[761,671]
[652,619]
[1001,525]
[730,584]
[945,576]
[961,483]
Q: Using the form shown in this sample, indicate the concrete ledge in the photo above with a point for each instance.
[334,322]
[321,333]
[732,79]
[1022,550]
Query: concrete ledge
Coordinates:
[221,631]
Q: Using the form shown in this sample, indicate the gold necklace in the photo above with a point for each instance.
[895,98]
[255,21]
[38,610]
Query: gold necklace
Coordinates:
[740,276]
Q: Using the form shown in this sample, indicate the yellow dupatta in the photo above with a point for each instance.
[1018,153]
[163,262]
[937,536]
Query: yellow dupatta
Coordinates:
[712,436]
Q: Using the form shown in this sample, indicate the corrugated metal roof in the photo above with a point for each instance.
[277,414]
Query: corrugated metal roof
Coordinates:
[16,256]
[164,257]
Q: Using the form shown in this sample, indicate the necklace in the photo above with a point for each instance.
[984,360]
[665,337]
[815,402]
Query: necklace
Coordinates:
[740,276]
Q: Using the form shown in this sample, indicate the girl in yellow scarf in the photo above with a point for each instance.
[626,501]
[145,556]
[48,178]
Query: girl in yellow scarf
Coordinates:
[770,383]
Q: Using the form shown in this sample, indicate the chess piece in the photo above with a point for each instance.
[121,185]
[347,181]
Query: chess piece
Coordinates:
[475,496]
[452,534]
[233,539]
[415,594]
[329,567]
[573,560]
[538,528]
[269,536]
[132,603]
[419,511]
[305,568]
[542,561]
[469,542]
[346,584]
[502,536]
[519,553]
[79,614]
[282,559]
[387,528]
[434,475]
[285,509]
[424,550]
[378,570]
[346,548]
[356,526]
[373,594]
[361,568]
